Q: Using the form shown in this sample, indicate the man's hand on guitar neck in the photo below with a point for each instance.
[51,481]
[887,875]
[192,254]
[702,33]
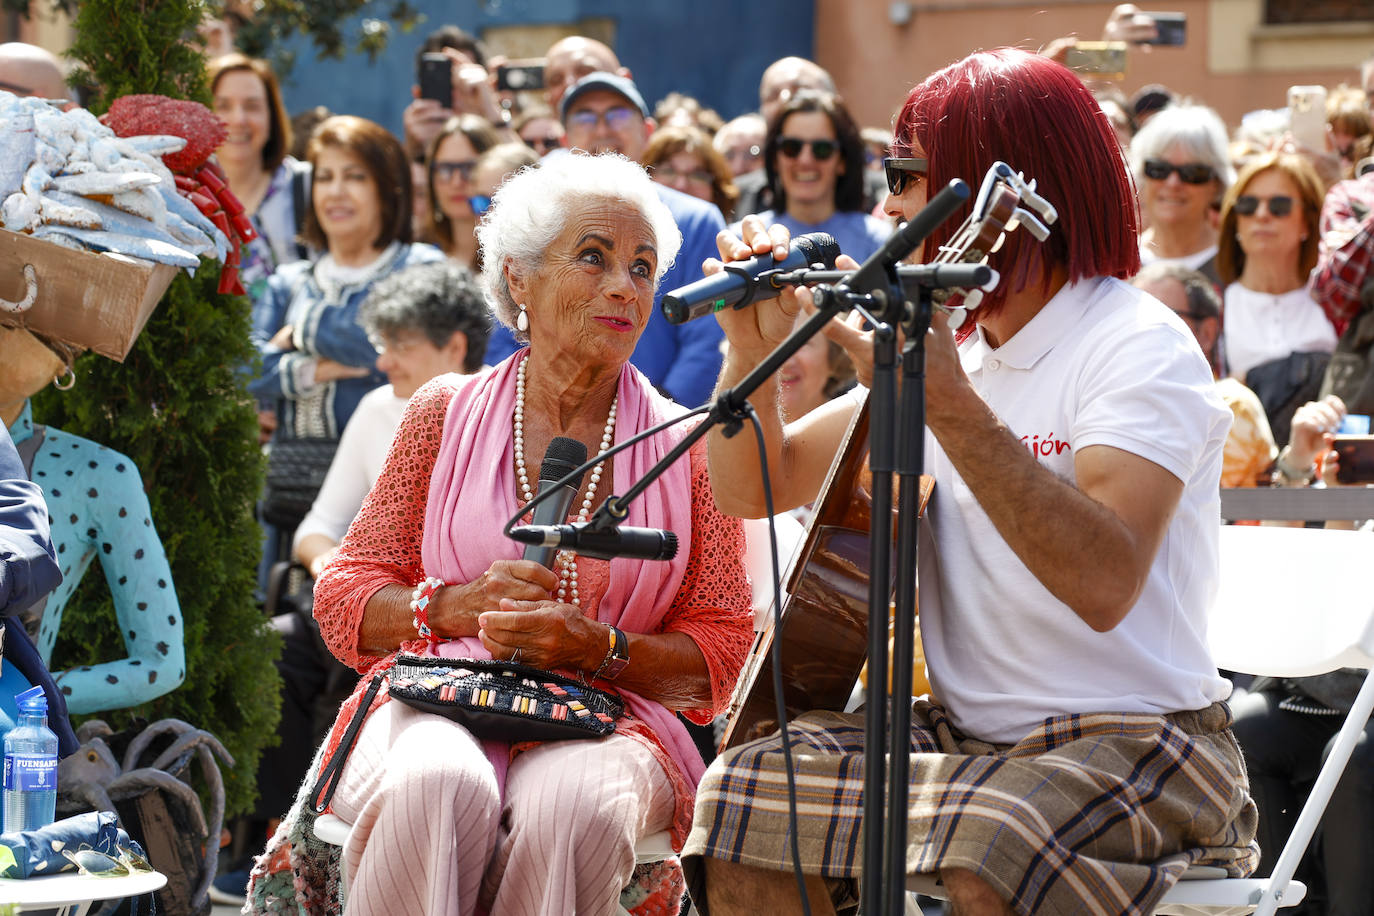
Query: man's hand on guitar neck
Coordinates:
[799,455]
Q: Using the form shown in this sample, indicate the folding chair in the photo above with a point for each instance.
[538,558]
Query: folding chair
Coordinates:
[1265,573]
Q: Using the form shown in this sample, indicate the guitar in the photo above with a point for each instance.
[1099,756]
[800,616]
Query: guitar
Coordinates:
[823,635]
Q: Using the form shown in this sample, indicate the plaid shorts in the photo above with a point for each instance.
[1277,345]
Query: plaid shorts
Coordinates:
[1089,813]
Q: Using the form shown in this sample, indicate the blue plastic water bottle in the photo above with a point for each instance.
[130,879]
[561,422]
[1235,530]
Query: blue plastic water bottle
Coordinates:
[30,783]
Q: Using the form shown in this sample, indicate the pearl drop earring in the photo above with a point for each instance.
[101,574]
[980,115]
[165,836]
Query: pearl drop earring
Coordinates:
[522,321]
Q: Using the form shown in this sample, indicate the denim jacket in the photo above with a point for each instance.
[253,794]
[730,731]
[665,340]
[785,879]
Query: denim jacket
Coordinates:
[325,322]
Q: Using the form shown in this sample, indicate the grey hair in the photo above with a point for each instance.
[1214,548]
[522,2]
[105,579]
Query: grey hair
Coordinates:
[532,207]
[1203,301]
[1196,128]
[435,299]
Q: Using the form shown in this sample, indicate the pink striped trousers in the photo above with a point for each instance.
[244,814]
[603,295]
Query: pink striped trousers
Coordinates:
[432,836]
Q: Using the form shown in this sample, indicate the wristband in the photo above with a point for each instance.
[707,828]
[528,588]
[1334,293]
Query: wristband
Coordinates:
[419,607]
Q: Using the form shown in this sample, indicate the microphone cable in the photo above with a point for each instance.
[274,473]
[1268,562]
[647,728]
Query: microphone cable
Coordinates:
[775,651]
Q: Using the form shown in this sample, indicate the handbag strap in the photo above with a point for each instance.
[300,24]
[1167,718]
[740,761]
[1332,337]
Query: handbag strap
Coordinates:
[329,777]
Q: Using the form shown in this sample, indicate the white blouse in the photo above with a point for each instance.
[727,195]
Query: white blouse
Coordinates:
[1261,327]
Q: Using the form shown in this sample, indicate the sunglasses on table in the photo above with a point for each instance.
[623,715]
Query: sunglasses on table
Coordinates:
[444,171]
[1248,204]
[1188,172]
[900,172]
[96,864]
[791,147]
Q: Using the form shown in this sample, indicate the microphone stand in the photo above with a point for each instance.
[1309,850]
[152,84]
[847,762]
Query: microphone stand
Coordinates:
[888,296]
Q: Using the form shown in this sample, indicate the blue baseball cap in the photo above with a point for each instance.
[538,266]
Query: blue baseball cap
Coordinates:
[610,82]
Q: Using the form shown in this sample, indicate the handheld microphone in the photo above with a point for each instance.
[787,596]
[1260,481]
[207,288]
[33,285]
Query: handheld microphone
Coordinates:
[563,456]
[640,543]
[738,285]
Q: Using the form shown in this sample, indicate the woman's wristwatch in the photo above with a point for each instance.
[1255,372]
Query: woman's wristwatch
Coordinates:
[617,655]
[1293,475]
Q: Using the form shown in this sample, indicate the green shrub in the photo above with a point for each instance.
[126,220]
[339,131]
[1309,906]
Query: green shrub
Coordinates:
[179,408]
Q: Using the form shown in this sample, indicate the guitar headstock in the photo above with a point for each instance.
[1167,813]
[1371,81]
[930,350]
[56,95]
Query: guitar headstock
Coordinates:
[1006,201]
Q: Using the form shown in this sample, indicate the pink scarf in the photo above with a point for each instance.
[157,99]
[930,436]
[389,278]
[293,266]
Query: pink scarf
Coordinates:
[472,493]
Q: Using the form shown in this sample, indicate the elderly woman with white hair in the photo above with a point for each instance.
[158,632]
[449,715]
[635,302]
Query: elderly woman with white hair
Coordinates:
[1182,168]
[445,823]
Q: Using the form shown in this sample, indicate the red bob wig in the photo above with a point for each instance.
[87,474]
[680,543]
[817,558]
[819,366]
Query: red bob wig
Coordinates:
[1037,117]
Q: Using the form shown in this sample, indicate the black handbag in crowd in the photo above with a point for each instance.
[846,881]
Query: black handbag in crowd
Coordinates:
[296,469]
[1285,384]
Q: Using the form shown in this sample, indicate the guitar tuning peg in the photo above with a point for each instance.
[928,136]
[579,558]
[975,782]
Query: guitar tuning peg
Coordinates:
[1032,224]
[991,284]
[956,317]
[973,298]
[997,245]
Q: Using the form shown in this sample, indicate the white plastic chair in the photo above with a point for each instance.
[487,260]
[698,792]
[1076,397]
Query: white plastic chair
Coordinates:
[1254,628]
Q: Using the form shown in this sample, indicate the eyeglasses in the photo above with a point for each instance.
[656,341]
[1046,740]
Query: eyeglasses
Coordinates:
[791,147]
[900,172]
[617,118]
[1280,205]
[444,171]
[480,203]
[736,154]
[668,172]
[542,145]
[1189,172]
[96,864]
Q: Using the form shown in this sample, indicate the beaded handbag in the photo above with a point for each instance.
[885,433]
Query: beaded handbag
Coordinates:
[504,700]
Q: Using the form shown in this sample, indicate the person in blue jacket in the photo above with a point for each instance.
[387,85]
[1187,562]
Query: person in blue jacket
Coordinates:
[604,112]
[317,362]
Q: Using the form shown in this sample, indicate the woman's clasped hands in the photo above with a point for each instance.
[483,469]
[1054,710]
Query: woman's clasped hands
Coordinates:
[511,609]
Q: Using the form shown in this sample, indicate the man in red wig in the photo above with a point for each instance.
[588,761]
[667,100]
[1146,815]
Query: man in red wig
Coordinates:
[1075,754]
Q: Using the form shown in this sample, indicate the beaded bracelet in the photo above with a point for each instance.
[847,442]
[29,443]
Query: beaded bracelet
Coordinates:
[419,607]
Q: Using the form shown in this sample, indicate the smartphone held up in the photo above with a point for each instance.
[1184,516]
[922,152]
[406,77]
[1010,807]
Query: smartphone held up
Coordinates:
[1307,116]
[520,75]
[1355,459]
[436,78]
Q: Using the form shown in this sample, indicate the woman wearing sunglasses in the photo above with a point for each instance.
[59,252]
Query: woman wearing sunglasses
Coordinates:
[814,160]
[1275,332]
[1181,170]
[451,157]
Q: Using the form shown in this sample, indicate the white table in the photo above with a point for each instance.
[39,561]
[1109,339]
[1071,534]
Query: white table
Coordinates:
[72,894]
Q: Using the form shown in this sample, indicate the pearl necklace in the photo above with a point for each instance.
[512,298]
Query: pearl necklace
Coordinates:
[566,559]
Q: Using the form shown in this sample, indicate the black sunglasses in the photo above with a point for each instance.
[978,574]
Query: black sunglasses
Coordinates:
[902,171]
[543,145]
[791,147]
[444,171]
[1280,205]
[1189,172]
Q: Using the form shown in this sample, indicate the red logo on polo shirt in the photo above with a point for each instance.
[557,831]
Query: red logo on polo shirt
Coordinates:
[1044,446]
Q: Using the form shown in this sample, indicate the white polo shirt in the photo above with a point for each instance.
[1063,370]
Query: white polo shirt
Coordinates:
[1101,364]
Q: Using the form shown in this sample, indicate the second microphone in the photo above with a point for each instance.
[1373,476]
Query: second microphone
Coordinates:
[738,284]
